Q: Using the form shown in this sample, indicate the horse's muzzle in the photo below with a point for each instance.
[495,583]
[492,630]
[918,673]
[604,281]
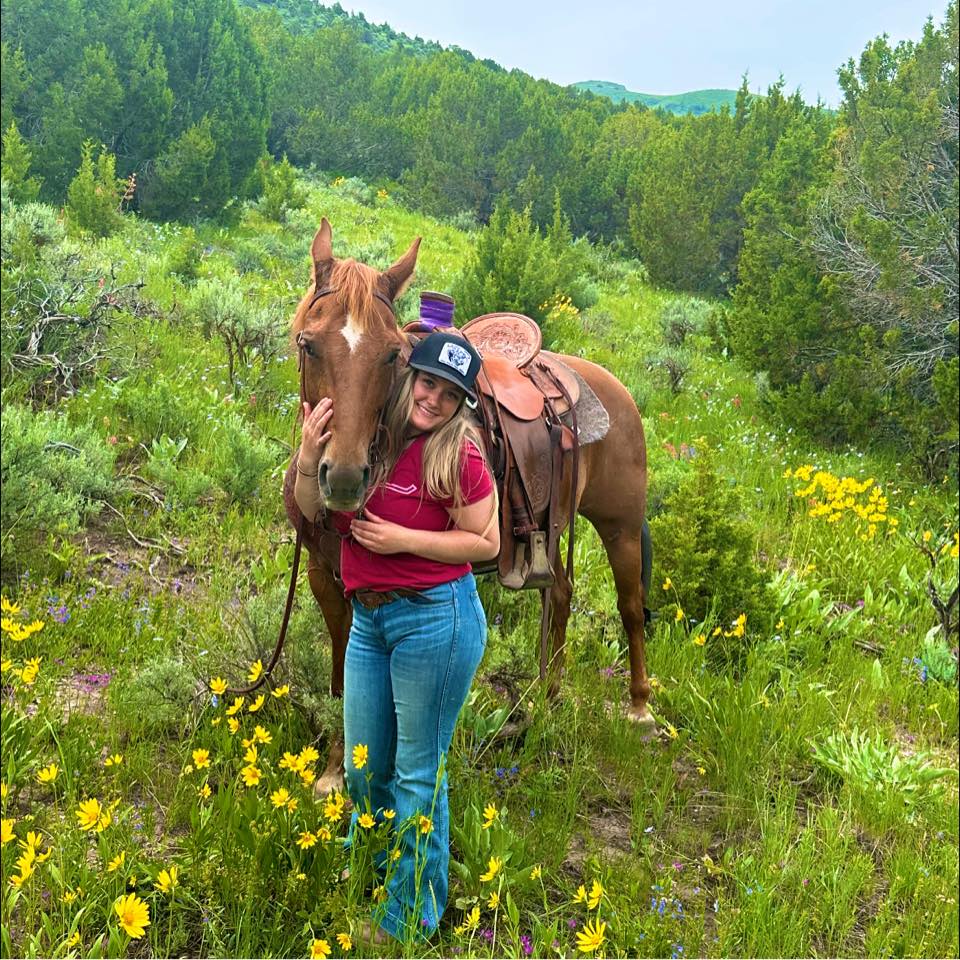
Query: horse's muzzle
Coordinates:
[342,487]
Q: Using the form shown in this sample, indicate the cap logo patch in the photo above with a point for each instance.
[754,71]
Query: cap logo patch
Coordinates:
[453,355]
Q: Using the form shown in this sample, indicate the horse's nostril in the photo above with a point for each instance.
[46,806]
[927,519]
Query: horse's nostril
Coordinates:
[322,477]
[365,477]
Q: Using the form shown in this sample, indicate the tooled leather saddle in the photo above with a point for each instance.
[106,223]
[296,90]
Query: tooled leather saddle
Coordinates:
[526,394]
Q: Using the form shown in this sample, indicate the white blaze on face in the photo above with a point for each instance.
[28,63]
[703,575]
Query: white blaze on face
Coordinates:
[351,333]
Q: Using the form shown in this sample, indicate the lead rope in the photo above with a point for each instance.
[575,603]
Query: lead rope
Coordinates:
[294,570]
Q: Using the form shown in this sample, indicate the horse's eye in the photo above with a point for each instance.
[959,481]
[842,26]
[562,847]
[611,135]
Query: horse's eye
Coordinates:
[392,357]
[308,348]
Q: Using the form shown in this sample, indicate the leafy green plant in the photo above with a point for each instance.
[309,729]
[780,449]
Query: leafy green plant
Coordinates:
[53,475]
[938,658]
[93,198]
[706,545]
[873,765]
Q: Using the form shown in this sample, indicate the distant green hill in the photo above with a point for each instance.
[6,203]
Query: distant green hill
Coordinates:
[695,102]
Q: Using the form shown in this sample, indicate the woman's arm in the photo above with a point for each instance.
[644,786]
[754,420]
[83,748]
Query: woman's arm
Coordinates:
[476,536]
[306,491]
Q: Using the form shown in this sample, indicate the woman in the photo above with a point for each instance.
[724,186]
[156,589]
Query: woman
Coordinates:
[418,629]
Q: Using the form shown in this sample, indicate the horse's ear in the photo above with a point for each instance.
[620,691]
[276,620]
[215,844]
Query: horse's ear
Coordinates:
[322,253]
[398,277]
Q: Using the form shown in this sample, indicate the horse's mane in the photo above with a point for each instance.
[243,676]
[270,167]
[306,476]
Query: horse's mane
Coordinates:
[354,284]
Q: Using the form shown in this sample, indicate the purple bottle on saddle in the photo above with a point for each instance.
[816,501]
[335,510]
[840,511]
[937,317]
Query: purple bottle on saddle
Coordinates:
[436,310]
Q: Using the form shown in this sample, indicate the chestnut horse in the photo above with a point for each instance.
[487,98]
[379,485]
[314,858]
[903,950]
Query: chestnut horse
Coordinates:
[349,340]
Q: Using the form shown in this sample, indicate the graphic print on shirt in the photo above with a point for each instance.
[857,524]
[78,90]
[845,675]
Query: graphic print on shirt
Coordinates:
[404,491]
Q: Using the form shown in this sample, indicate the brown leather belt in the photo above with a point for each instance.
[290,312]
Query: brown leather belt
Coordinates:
[371,599]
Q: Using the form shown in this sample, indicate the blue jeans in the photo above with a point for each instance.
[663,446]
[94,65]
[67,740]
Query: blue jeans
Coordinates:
[408,669]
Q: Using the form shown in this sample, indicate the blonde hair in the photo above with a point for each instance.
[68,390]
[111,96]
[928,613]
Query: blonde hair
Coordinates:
[442,451]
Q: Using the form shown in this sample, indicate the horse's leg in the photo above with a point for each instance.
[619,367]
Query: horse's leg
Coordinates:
[336,614]
[624,551]
[558,596]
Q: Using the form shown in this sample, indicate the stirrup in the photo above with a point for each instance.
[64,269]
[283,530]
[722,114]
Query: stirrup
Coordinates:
[513,578]
[539,574]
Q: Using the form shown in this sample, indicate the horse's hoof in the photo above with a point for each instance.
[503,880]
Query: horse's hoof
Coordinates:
[327,784]
[644,719]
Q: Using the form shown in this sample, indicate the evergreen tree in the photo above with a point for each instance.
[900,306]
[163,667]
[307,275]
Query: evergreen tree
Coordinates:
[16,167]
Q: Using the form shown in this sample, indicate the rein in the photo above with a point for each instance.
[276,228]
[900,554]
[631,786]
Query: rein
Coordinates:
[298,547]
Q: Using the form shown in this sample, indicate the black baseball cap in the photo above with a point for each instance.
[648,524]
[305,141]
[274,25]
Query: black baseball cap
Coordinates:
[450,356]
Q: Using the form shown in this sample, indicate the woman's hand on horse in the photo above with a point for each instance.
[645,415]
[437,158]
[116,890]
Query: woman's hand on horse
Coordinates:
[315,433]
[378,535]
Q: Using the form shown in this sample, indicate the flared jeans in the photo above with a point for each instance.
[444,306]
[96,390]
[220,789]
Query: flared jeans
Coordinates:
[408,669]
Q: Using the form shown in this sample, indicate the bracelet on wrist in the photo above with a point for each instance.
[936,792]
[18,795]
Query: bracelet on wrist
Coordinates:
[308,473]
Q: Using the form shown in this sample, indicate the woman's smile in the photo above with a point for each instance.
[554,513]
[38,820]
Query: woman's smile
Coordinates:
[435,401]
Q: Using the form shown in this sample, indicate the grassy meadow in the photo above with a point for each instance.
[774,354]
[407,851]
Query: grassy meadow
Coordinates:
[799,799]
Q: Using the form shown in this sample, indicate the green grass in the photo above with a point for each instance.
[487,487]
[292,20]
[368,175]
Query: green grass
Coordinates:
[724,835]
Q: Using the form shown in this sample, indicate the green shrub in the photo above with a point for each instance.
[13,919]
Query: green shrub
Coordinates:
[53,476]
[705,544]
[21,186]
[94,195]
[281,192]
[240,461]
[247,332]
[159,698]
[680,319]
[184,254]
[182,484]
[515,267]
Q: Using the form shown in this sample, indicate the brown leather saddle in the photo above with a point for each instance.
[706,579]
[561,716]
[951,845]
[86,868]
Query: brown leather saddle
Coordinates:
[524,392]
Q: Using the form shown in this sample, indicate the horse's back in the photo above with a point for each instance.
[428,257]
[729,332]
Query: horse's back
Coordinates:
[615,466]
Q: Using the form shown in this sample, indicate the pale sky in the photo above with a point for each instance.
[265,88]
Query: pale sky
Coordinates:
[664,47]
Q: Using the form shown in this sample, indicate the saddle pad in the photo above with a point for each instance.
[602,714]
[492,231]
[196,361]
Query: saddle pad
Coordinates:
[511,335]
[593,421]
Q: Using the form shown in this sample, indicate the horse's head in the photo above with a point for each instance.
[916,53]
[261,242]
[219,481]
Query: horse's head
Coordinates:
[347,333]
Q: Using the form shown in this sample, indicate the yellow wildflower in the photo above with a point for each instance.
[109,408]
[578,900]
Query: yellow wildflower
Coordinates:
[48,774]
[490,813]
[204,792]
[591,938]
[494,900]
[596,895]
[306,840]
[667,584]
[319,950]
[280,798]
[251,775]
[236,707]
[117,862]
[281,691]
[6,830]
[89,814]
[8,606]
[256,669]
[366,821]
[218,686]
[257,704]
[493,868]
[700,639]
[73,941]
[536,872]
[167,879]
[581,895]
[134,915]
[360,755]
[345,942]
[114,760]
[234,724]
[678,616]
[425,824]
[261,735]
[201,758]
[389,814]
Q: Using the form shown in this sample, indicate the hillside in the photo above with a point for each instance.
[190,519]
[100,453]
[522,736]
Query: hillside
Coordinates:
[804,690]
[696,102]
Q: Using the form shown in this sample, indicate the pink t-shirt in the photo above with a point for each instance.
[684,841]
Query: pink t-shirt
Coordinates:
[403,500]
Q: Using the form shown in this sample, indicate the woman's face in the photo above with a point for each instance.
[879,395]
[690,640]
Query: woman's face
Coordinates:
[435,402]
